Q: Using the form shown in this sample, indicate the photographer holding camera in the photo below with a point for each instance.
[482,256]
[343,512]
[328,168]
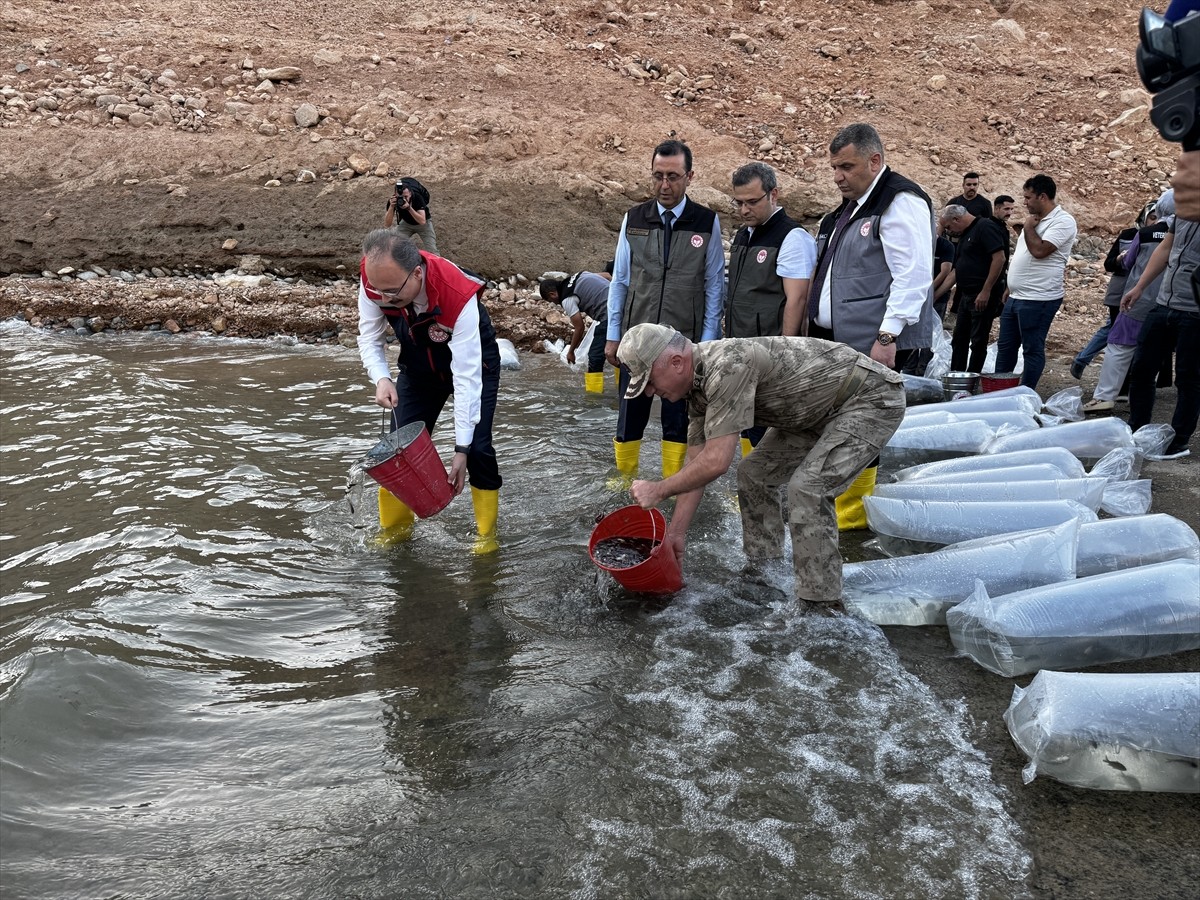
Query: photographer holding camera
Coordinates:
[411,199]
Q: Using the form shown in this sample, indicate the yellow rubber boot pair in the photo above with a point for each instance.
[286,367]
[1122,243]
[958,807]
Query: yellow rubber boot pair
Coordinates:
[673,454]
[593,382]
[746,446]
[626,453]
[851,514]
[487,511]
[396,520]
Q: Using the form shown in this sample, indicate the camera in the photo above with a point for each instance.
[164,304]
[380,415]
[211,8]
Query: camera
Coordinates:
[1168,62]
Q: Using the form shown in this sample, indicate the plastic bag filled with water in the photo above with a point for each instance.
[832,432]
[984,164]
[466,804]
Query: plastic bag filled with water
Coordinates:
[947,522]
[1110,732]
[1132,614]
[1066,462]
[1087,440]
[1088,491]
[1112,544]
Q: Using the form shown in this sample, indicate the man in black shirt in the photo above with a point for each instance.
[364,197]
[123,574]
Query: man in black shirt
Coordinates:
[977,205]
[978,266]
[409,213]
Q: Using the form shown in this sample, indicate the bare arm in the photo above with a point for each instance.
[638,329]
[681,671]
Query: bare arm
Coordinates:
[795,307]
[1038,248]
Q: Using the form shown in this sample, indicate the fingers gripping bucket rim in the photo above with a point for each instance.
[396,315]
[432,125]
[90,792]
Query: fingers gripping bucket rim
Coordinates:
[411,470]
[659,572]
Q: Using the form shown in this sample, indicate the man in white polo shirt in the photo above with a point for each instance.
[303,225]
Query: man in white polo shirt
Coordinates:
[1035,280]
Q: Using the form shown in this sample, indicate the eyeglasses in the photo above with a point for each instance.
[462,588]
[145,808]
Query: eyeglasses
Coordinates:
[670,177]
[394,295]
[738,204]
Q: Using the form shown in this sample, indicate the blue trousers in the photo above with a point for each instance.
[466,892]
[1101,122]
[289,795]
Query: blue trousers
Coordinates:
[1099,340]
[1024,325]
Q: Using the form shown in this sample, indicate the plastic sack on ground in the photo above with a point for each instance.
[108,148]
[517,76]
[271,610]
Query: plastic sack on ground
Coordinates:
[1039,472]
[940,364]
[508,354]
[1152,440]
[917,590]
[1112,544]
[1122,464]
[1131,614]
[919,418]
[918,390]
[1110,732]
[1067,404]
[998,401]
[1021,390]
[1088,491]
[961,437]
[1062,459]
[946,522]
[1087,440]
[989,361]
[1127,498]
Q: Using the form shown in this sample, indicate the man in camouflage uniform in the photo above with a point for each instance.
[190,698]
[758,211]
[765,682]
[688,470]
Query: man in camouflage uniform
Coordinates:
[828,410]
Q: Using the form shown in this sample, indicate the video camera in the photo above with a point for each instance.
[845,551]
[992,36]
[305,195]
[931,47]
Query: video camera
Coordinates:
[1168,62]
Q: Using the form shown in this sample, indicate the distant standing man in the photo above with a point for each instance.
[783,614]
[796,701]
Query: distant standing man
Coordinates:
[873,285]
[584,293]
[1035,280]
[828,410]
[977,205]
[415,216]
[669,269]
[978,273]
[447,346]
[771,262]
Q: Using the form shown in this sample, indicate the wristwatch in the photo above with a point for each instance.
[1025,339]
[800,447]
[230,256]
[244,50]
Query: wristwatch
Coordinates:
[459,448]
[885,339]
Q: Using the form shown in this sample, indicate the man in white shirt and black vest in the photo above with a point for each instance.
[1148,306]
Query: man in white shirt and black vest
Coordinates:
[873,286]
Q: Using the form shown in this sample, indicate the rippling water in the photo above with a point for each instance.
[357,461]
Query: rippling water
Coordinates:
[215,684]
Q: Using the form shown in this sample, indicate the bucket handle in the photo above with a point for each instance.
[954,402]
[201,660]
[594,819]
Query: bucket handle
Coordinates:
[384,431]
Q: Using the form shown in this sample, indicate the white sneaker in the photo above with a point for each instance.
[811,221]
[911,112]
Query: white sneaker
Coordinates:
[1098,406]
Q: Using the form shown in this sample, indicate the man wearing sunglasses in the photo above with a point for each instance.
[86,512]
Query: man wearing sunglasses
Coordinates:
[771,261]
[669,269]
[447,346]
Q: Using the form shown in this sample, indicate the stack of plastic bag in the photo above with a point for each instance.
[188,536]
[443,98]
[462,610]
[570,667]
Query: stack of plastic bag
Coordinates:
[1110,732]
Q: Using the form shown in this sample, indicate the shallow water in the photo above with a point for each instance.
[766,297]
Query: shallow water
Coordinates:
[214,684]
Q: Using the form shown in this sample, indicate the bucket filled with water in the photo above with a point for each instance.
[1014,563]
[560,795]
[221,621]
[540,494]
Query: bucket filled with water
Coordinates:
[628,544]
[406,463]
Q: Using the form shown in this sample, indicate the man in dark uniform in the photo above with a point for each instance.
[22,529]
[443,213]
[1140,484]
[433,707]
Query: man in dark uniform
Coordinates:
[977,205]
[669,269]
[771,262]
[978,275]
[447,346]
[584,293]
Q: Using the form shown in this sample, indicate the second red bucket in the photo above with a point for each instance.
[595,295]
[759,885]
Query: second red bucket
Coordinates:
[998,381]
[407,464]
[656,573]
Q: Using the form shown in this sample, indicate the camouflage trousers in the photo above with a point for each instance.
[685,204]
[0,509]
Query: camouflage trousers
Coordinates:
[816,465]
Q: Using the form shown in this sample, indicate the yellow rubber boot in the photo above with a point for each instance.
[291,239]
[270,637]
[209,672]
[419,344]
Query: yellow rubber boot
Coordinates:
[746,446]
[593,382]
[396,520]
[850,512]
[487,510]
[626,453]
[673,454]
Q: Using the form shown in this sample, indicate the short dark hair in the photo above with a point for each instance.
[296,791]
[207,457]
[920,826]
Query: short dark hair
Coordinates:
[864,137]
[1003,198]
[1041,184]
[974,175]
[548,286]
[386,242]
[674,148]
[759,170]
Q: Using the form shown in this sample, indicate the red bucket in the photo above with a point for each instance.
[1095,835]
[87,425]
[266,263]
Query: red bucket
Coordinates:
[406,463]
[659,572]
[998,381]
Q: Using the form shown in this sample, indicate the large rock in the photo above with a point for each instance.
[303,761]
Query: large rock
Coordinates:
[307,115]
[283,73]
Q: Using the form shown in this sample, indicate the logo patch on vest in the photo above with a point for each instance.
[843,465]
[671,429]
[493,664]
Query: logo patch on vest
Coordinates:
[762,256]
[865,228]
[438,334]
[697,240]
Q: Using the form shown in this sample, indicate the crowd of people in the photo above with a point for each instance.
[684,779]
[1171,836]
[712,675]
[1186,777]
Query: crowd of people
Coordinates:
[792,352]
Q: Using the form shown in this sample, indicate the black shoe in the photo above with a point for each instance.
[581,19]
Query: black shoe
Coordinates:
[1176,450]
[1076,369]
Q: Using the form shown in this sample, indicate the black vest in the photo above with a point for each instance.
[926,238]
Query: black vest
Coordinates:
[756,297]
[426,357]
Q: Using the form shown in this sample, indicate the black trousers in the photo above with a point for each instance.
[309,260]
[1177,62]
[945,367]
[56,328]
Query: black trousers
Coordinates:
[633,415]
[422,400]
[972,329]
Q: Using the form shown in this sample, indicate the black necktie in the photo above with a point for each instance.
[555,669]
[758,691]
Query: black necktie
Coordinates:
[818,281]
[667,218]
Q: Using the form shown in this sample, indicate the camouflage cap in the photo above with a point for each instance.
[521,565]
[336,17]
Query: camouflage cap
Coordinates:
[639,348]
